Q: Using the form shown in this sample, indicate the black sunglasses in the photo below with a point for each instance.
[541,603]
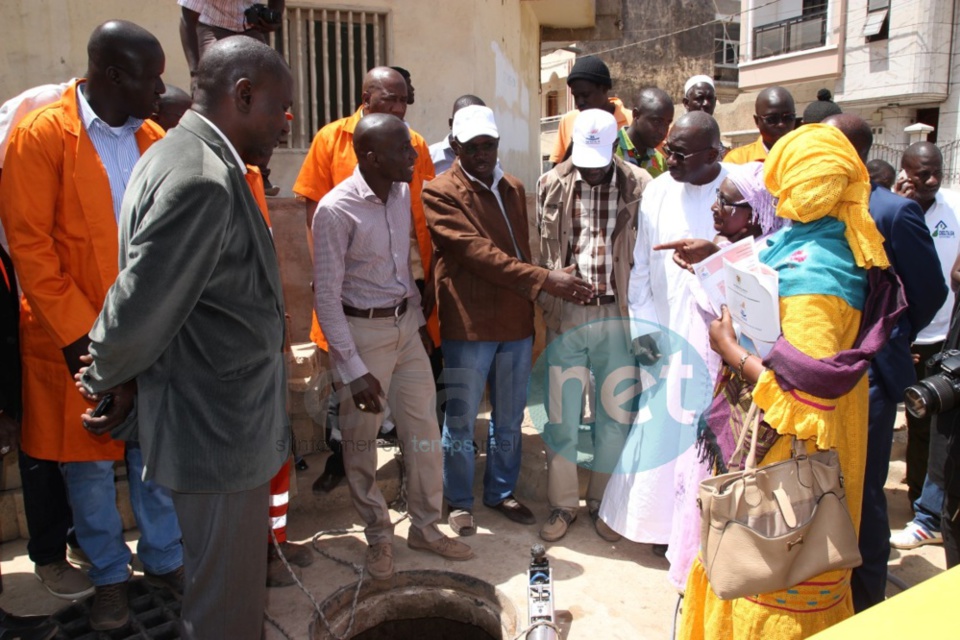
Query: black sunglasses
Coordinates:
[773,119]
[680,155]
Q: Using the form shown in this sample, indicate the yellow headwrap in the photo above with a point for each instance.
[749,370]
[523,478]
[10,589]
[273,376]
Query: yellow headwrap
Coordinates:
[816,172]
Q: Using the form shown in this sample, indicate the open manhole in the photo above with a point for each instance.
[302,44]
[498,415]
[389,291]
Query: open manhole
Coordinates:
[420,605]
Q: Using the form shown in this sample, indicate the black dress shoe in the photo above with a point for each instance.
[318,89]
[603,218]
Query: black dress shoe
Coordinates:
[327,482]
[512,508]
[10,622]
[42,632]
[26,627]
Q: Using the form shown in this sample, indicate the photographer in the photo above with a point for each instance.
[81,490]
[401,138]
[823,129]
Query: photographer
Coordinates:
[944,466]
[203,22]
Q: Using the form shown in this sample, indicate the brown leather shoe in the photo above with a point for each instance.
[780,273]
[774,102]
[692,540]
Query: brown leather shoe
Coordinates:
[278,575]
[109,610]
[300,555]
[556,526]
[514,510]
[380,561]
[445,547]
[462,523]
[603,529]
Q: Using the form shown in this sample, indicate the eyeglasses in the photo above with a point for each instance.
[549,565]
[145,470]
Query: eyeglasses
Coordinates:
[773,119]
[680,155]
[472,148]
[723,203]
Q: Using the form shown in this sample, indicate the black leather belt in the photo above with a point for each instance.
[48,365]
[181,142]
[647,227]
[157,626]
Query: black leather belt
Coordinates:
[597,301]
[387,312]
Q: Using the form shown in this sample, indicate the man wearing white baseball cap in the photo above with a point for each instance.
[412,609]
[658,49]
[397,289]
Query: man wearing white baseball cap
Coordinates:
[587,210]
[486,286]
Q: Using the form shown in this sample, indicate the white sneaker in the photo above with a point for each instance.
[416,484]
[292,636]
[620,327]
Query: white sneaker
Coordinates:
[913,536]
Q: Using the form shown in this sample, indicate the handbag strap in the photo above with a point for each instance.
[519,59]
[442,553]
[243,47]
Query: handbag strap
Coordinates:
[751,422]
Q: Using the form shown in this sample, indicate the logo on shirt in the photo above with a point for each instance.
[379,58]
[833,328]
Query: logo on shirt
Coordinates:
[941,230]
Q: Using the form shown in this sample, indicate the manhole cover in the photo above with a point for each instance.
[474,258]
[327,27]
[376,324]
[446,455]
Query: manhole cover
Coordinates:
[154,615]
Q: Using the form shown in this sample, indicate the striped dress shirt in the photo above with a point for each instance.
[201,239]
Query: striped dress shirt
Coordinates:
[361,251]
[116,146]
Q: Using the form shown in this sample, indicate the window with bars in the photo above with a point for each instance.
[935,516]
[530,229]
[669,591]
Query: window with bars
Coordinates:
[329,52]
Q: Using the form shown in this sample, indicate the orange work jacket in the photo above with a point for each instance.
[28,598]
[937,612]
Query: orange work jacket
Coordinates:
[57,211]
[331,160]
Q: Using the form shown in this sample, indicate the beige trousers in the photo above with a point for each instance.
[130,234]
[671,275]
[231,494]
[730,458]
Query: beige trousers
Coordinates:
[596,341]
[393,352]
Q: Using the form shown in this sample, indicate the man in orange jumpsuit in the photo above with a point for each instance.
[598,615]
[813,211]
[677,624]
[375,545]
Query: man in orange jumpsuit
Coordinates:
[65,173]
[329,162]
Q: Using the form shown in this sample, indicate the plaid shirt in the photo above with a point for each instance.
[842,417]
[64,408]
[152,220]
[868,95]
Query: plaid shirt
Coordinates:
[594,218]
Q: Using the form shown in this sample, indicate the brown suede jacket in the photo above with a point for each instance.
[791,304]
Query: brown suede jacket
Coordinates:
[484,290]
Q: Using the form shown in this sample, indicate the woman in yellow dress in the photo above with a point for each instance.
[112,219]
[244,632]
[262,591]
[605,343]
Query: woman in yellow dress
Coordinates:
[822,261]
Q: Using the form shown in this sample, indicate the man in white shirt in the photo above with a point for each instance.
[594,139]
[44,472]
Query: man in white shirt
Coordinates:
[643,505]
[920,179]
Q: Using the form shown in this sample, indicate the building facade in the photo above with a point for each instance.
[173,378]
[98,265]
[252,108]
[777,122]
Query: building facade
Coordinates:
[490,48]
[893,63]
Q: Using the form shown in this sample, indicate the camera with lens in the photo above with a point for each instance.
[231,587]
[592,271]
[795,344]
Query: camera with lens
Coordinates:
[257,12]
[939,392]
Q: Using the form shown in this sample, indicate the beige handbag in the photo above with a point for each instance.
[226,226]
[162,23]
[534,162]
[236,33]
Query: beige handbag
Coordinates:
[768,529]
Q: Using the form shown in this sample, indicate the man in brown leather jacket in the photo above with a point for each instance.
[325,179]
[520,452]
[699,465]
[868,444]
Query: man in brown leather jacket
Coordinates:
[486,286]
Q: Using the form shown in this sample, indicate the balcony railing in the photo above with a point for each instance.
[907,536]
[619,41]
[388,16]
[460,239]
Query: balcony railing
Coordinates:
[786,36]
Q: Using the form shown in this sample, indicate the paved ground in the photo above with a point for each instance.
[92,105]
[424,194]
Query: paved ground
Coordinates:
[611,591]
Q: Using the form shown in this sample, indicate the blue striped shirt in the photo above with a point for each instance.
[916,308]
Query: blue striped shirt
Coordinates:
[116,146]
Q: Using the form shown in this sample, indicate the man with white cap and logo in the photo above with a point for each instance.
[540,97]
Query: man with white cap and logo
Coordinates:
[587,209]
[486,287]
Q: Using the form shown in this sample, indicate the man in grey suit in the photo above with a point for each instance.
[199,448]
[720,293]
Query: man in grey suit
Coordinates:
[192,330]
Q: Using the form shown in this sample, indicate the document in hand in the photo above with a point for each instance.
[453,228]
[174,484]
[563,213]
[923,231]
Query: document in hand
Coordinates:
[754,300]
[710,271]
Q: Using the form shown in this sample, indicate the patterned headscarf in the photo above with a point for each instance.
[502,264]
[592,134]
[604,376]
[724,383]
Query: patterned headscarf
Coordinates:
[748,179]
[815,172]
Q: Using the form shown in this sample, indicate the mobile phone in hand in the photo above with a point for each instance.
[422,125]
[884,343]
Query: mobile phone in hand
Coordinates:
[105,404]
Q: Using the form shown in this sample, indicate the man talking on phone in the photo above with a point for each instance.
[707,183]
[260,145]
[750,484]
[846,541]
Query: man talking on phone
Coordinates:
[920,179]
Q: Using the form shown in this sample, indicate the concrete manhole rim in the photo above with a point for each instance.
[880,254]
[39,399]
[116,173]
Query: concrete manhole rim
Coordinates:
[464,599]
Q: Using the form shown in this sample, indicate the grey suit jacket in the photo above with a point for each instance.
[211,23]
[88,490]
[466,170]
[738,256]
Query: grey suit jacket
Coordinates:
[196,316]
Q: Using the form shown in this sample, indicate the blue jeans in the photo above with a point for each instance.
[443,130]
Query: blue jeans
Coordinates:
[928,507]
[93,498]
[468,366]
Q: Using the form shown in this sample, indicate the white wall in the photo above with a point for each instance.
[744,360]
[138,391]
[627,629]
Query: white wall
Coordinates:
[911,66]
[950,109]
